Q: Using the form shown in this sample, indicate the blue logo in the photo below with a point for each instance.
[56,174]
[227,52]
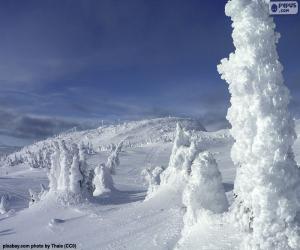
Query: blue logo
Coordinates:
[283,7]
[274,7]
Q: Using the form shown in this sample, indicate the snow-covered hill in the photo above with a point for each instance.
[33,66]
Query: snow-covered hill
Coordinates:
[133,134]
[122,220]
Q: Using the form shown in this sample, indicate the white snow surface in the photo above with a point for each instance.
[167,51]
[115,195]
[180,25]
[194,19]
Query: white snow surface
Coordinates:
[120,219]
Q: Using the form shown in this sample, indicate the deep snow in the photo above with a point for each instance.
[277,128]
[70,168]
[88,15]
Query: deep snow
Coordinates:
[122,219]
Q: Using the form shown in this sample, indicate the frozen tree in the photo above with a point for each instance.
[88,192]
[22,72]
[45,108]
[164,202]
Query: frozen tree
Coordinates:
[34,197]
[183,153]
[87,173]
[204,191]
[64,178]
[75,175]
[267,185]
[55,167]
[113,160]
[102,181]
[34,159]
[152,176]
[43,192]
[4,204]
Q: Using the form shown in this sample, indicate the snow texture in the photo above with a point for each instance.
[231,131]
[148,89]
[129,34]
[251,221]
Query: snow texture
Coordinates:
[267,185]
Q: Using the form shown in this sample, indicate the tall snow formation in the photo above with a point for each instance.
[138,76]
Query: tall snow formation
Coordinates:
[64,178]
[87,173]
[183,154]
[55,167]
[113,160]
[65,173]
[267,185]
[204,191]
[75,174]
[102,181]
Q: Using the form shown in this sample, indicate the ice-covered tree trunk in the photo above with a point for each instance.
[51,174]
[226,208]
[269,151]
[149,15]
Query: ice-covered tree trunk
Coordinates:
[267,185]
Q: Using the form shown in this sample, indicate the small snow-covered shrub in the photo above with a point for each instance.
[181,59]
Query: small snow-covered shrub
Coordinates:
[4,204]
[113,160]
[37,196]
[152,176]
[204,190]
[102,181]
[34,197]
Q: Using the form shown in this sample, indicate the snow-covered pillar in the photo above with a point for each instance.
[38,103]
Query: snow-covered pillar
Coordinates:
[267,185]
[75,176]
[55,167]
[102,181]
[64,178]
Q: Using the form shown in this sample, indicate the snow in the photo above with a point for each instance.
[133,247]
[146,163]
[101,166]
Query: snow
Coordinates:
[118,220]
[102,181]
[121,219]
[267,185]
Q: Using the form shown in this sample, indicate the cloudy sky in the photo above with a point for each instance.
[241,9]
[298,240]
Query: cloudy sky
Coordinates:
[73,63]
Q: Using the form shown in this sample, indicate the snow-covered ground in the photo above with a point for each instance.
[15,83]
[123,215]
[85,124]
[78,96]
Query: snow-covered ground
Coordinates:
[122,219]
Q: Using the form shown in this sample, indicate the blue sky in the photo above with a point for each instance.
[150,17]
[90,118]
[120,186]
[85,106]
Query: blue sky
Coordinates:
[73,63]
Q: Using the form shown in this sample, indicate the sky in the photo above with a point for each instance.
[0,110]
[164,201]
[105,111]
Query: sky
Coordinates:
[71,63]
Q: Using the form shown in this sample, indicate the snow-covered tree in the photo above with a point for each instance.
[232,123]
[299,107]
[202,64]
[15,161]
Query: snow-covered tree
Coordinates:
[64,178]
[4,204]
[267,185]
[102,181]
[55,167]
[75,175]
[204,191]
[113,160]
[183,153]
[152,176]
[34,197]
[86,172]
